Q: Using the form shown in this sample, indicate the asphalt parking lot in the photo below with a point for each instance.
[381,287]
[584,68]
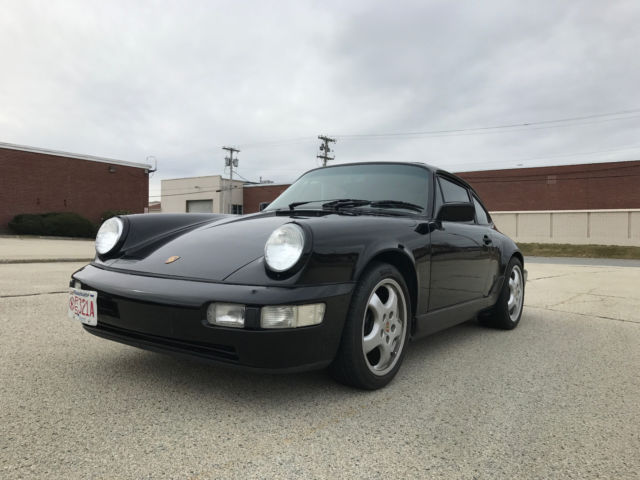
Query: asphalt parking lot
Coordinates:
[559,397]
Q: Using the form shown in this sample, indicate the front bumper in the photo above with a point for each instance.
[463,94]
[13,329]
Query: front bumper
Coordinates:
[168,315]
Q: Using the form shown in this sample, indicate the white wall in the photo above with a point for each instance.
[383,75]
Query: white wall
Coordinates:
[175,193]
[578,227]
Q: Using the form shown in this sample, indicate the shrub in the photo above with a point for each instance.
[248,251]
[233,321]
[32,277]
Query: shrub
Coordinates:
[66,224]
[113,213]
[27,224]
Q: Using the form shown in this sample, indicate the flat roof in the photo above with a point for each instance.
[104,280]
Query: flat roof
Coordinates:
[200,176]
[562,166]
[58,153]
[267,185]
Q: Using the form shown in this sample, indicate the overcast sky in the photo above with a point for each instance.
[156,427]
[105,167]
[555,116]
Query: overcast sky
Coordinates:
[178,80]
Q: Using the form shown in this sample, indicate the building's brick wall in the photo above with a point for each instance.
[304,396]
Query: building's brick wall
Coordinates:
[568,187]
[256,194]
[39,183]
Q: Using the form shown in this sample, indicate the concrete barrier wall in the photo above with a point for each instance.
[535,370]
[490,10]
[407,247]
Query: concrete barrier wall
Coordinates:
[578,227]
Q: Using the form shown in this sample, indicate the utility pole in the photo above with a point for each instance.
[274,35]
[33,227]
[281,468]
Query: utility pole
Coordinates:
[325,150]
[230,162]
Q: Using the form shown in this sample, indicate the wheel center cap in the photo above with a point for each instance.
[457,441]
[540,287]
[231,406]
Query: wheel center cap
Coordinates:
[387,327]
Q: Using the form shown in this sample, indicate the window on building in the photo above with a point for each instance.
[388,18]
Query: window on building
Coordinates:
[481,214]
[453,192]
[236,209]
[199,206]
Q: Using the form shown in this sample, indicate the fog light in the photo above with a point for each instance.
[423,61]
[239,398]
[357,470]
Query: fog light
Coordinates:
[291,316]
[226,315]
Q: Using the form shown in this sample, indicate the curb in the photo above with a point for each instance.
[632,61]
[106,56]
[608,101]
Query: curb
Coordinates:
[44,237]
[43,260]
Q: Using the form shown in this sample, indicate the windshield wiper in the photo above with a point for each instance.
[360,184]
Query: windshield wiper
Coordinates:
[297,204]
[355,202]
[338,203]
[345,203]
[396,204]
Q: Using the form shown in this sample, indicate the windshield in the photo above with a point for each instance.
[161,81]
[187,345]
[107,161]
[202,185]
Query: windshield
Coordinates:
[373,182]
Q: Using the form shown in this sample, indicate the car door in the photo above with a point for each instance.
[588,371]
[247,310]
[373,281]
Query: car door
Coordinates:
[490,240]
[460,253]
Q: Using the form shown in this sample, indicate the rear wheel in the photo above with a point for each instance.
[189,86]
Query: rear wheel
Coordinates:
[376,330]
[507,311]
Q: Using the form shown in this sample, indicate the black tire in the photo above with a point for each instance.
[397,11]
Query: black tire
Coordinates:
[372,319]
[503,315]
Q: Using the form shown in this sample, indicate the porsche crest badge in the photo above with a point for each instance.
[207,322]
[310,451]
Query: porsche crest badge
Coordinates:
[171,259]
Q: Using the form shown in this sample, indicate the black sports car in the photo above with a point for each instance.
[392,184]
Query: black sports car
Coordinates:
[341,270]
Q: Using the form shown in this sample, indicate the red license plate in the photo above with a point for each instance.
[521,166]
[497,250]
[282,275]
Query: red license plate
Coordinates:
[83,306]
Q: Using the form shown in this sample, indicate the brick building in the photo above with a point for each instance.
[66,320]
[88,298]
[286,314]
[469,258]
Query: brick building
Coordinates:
[594,186]
[35,180]
[254,195]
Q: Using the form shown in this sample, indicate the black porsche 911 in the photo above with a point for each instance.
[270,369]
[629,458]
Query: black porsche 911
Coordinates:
[342,270]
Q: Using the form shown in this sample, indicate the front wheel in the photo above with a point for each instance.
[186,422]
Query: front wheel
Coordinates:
[376,330]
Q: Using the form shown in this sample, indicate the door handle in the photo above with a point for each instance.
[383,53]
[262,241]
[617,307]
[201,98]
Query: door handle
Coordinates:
[487,240]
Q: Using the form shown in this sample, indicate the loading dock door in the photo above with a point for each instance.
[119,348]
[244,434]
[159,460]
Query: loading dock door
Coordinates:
[199,206]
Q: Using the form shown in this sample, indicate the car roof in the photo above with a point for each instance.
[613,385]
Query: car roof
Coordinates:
[426,166]
[415,164]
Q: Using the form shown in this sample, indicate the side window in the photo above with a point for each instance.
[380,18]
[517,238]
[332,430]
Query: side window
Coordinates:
[481,214]
[453,192]
[437,200]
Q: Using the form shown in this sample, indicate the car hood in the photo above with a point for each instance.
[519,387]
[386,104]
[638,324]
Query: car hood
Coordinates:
[218,251]
[211,252]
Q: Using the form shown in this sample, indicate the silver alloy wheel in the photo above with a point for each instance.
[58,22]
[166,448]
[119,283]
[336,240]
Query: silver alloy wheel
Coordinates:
[384,327]
[516,293]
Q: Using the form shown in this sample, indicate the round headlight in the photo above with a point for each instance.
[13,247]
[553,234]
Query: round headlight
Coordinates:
[284,247]
[108,235]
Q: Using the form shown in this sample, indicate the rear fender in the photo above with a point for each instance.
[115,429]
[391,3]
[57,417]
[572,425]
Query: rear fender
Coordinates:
[508,250]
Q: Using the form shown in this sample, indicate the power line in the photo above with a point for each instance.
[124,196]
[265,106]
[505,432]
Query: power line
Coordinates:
[493,132]
[284,141]
[494,127]
[243,178]
[482,130]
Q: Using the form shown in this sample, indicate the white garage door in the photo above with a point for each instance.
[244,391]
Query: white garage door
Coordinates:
[199,206]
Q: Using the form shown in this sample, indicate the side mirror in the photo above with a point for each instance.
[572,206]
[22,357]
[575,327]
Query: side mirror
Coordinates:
[263,205]
[457,212]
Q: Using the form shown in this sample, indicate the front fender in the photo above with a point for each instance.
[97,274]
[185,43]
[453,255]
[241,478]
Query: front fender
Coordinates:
[342,248]
[382,250]
[144,232]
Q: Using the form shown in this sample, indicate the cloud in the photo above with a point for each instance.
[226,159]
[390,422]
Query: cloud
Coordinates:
[180,80]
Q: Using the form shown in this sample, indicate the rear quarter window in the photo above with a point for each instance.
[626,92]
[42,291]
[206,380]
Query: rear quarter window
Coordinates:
[481,214]
[452,192]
